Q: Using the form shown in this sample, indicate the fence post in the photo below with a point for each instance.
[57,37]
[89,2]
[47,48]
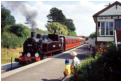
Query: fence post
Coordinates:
[11,63]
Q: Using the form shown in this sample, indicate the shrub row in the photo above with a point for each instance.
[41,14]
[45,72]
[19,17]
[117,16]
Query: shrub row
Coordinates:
[106,67]
[10,40]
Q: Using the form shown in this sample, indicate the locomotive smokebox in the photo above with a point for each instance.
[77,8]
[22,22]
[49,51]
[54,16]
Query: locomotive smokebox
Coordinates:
[33,34]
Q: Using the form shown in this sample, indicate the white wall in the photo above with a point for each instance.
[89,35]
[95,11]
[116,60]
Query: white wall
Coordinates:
[112,11]
[105,39]
[91,42]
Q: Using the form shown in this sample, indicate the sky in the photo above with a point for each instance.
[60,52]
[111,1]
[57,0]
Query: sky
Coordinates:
[80,12]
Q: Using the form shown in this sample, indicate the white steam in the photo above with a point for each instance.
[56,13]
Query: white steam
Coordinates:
[21,7]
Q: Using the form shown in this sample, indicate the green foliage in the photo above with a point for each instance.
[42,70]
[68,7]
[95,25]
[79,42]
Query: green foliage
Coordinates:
[41,31]
[70,25]
[20,30]
[10,40]
[14,35]
[6,17]
[93,34]
[56,15]
[57,28]
[110,44]
[106,67]
[87,38]
[72,33]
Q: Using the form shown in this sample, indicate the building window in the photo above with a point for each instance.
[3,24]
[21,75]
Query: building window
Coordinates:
[111,28]
[102,28]
[118,23]
[106,28]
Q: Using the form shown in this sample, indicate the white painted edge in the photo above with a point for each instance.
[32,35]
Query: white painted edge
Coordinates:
[8,63]
[8,66]
[9,73]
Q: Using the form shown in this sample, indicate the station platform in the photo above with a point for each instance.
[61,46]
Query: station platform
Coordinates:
[50,69]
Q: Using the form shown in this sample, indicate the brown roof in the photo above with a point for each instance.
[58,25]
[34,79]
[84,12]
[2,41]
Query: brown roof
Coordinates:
[118,31]
[106,8]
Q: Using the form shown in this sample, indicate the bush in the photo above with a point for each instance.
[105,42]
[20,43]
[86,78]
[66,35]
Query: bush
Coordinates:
[20,30]
[106,67]
[14,35]
[10,40]
[38,31]
[72,33]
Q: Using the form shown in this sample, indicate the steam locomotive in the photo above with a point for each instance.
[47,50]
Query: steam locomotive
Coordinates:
[39,46]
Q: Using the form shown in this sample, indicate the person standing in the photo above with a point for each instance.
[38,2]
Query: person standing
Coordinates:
[75,60]
[62,41]
[92,52]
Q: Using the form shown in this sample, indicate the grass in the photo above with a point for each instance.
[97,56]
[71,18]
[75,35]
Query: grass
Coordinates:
[6,54]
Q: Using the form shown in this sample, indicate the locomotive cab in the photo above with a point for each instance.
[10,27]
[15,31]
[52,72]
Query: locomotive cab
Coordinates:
[53,37]
[50,47]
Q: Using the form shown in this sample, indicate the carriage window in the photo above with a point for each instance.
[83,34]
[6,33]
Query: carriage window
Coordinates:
[68,42]
[72,41]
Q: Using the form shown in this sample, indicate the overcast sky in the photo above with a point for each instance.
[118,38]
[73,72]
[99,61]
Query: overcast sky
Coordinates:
[80,12]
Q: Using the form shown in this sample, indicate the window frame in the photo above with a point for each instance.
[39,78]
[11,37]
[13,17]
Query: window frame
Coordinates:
[116,23]
[105,30]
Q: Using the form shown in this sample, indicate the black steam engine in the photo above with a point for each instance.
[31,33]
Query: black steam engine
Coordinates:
[38,46]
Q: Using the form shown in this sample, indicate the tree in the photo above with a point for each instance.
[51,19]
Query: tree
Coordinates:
[72,33]
[20,30]
[70,25]
[56,15]
[38,31]
[14,35]
[56,27]
[93,34]
[6,17]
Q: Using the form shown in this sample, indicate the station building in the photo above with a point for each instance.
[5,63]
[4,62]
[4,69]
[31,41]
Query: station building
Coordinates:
[108,25]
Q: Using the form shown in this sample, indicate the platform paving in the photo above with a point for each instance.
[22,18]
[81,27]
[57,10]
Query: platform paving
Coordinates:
[51,70]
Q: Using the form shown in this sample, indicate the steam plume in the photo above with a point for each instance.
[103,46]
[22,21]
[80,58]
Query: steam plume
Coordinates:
[21,6]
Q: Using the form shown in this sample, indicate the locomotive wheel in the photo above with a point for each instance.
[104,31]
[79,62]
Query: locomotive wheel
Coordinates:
[21,63]
[49,55]
[28,62]
[41,57]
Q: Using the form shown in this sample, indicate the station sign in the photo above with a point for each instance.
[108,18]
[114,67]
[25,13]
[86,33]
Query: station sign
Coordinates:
[108,17]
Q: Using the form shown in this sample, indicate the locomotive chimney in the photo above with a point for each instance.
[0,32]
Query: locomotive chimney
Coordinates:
[33,31]
[33,35]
